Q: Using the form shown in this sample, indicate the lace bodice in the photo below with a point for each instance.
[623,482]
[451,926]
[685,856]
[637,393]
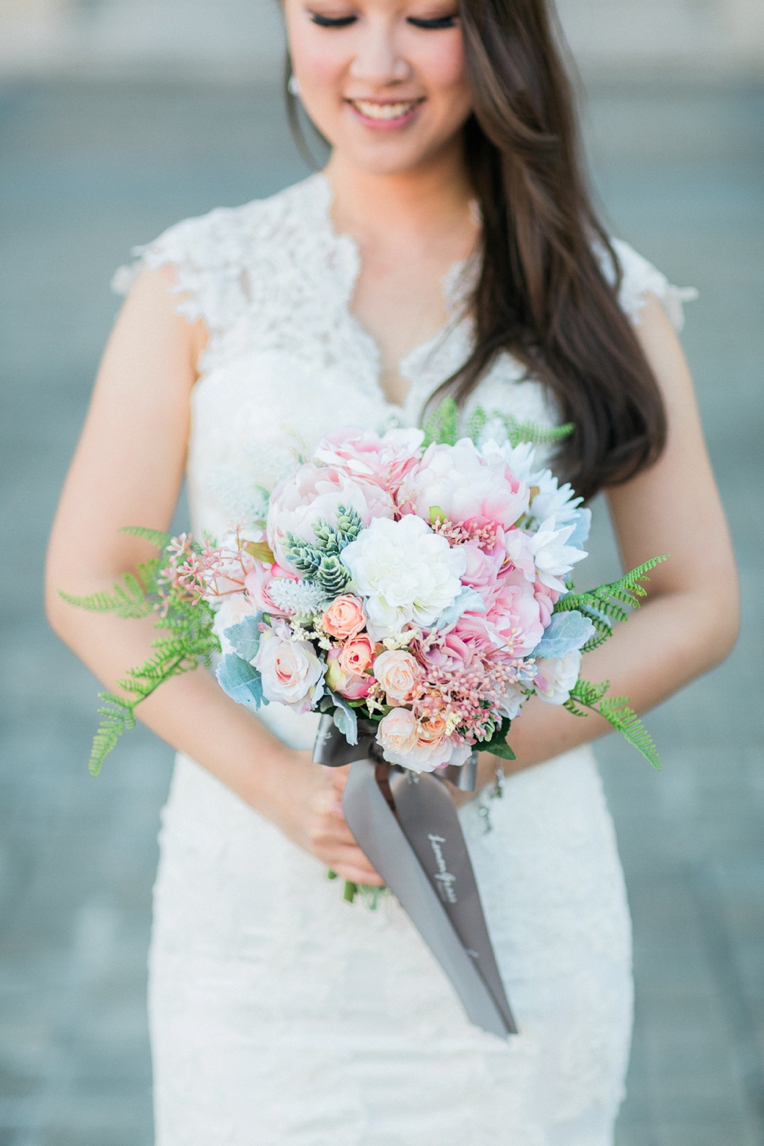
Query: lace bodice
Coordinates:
[286,361]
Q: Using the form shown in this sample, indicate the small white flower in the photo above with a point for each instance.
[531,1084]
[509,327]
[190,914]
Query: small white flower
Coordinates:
[406,574]
[545,553]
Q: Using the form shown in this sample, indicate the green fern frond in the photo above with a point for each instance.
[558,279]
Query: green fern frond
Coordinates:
[624,719]
[442,425]
[605,604]
[117,717]
[190,644]
[617,712]
[589,694]
[598,639]
[126,600]
[516,431]
[153,536]
[538,435]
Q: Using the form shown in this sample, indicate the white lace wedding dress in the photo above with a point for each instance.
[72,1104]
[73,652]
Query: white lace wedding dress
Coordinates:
[280,1015]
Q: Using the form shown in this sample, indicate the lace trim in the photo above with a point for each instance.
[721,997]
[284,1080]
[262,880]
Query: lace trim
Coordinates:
[640,278]
[276,275]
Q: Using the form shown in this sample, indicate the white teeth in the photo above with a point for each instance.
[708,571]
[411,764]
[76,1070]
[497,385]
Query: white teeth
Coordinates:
[383,110]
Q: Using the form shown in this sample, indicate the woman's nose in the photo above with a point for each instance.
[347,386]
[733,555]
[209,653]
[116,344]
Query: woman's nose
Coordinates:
[377,61]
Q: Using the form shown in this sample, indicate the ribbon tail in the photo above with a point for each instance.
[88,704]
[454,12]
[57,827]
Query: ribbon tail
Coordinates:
[430,822]
[381,838]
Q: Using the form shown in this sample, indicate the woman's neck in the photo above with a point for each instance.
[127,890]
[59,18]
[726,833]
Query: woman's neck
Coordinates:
[434,196]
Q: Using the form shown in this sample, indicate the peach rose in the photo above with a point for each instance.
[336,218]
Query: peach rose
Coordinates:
[344,618]
[347,684]
[399,674]
[356,655]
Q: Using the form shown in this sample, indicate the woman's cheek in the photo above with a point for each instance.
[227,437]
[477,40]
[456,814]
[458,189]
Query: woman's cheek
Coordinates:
[441,65]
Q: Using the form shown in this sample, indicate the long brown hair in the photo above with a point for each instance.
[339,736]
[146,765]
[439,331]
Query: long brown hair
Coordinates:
[541,294]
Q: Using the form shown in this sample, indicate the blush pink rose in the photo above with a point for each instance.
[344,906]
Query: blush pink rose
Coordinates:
[399,674]
[344,618]
[398,734]
[292,673]
[421,746]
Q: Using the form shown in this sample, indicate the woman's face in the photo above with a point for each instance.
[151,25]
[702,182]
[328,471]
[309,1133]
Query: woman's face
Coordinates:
[383,80]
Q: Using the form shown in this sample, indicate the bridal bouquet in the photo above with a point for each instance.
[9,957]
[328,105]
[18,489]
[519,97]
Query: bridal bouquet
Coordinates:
[414,594]
[422,589]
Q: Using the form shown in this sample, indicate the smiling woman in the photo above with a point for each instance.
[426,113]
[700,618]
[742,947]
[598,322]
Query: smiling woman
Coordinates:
[449,246]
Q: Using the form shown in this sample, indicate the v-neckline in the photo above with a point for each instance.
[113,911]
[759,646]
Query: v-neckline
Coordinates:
[453,287]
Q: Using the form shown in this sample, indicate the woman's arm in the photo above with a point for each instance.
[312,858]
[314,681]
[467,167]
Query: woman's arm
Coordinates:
[128,470]
[689,621]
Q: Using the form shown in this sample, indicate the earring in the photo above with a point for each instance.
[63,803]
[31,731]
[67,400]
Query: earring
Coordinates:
[293,85]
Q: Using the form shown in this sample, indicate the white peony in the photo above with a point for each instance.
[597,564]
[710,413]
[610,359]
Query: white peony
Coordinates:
[555,678]
[405,573]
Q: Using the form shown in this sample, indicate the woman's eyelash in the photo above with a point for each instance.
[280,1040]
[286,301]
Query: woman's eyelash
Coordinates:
[435,22]
[332,21]
[417,21]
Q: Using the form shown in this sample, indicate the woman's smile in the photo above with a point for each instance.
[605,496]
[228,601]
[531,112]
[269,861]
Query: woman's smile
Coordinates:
[385,115]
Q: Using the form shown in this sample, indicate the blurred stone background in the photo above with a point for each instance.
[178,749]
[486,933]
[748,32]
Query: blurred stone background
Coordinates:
[118,117]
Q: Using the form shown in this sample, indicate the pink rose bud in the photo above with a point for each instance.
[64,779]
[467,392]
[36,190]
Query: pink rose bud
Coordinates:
[347,684]
[356,655]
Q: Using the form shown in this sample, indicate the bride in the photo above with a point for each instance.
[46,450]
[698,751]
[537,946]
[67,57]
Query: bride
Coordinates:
[449,246]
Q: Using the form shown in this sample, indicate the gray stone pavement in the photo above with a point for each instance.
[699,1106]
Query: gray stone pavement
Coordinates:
[85,172]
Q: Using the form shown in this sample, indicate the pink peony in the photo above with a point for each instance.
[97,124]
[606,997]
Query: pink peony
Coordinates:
[399,674]
[347,684]
[515,614]
[466,487]
[482,569]
[315,492]
[344,618]
[364,455]
[546,599]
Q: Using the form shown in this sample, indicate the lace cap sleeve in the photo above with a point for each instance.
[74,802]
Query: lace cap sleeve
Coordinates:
[206,255]
[639,278]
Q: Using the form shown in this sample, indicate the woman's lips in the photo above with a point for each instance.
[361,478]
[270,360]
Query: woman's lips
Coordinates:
[385,116]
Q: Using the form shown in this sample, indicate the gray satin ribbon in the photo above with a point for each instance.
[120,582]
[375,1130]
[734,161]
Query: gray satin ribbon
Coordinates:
[421,854]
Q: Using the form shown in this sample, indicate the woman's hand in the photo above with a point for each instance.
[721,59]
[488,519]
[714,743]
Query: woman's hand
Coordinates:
[310,814]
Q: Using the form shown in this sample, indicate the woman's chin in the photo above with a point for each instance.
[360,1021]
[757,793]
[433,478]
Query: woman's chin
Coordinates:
[390,153]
